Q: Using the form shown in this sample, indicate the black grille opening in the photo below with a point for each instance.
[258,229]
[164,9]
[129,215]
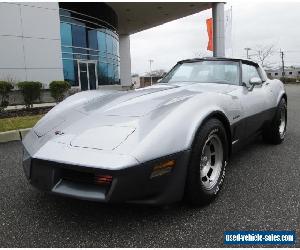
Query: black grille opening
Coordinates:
[85,177]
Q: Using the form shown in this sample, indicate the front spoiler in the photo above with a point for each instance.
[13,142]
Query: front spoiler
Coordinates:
[132,184]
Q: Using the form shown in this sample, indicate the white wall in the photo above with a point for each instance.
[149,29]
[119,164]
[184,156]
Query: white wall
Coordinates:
[30,42]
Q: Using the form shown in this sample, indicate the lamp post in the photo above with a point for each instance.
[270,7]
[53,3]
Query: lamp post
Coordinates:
[247,49]
[150,62]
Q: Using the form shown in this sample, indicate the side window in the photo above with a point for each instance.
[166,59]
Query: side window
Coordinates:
[249,71]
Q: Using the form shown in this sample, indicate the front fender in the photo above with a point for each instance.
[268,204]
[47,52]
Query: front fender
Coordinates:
[279,90]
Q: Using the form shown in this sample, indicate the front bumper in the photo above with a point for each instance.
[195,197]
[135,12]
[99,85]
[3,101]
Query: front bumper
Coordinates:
[132,184]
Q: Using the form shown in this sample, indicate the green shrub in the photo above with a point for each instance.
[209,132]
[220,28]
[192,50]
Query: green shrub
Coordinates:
[58,89]
[288,80]
[30,91]
[5,88]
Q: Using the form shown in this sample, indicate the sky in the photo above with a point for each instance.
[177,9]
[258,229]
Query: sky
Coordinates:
[254,24]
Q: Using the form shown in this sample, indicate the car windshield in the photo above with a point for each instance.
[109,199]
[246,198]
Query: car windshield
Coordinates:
[226,72]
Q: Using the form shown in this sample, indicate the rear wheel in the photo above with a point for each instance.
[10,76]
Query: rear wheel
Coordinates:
[207,164]
[275,133]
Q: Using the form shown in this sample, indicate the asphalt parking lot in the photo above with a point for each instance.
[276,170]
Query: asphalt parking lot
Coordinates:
[261,192]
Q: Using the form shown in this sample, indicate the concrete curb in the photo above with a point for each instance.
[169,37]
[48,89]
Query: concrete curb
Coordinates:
[14,135]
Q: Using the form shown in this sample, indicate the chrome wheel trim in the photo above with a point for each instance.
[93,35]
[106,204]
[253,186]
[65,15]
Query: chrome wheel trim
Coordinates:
[211,161]
[282,123]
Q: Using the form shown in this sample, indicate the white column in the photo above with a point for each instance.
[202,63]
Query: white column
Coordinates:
[125,60]
[218,29]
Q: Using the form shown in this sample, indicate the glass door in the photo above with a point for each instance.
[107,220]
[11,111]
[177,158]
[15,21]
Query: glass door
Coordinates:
[92,75]
[87,75]
[83,76]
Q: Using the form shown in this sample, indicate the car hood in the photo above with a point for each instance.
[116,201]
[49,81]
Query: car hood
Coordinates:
[105,121]
[143,101]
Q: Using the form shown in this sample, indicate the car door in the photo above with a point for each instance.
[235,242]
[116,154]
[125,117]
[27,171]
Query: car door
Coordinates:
[253,100]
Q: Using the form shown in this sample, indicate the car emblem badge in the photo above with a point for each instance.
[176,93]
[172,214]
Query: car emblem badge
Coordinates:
[59,133]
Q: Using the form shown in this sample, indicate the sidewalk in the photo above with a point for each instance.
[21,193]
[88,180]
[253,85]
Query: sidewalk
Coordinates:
[38,105]
[13,135]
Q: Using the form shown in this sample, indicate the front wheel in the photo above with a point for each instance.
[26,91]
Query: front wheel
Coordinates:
[275,133]
[207,164]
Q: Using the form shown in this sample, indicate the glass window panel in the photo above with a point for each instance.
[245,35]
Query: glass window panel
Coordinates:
[73,21]
[64,12]
[110,73]
[93,52]
[66,34]
[69,72]
[65,19]
[79,36]
[67,49]
[109,44]
[101,41]
[102,74]
[114,59]
[109,59]
[80,57]
[102,57]
[67,52]
[67,56]
[80,51]
[79,23]
[93,41]
[93,57]
[117,77]
[115,47]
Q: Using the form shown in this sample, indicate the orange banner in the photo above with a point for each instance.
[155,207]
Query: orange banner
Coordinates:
[209,26]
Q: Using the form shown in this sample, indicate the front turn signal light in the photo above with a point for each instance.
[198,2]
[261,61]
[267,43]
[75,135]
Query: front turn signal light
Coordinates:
[163,168]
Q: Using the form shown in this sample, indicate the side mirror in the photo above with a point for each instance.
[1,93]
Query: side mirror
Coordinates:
[255,81]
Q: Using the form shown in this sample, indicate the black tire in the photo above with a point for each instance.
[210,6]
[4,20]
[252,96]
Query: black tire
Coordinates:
[196,193]
[272,132]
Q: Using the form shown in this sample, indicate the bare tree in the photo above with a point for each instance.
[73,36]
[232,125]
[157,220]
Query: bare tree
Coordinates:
[157,73]
[11,79]
[262,55]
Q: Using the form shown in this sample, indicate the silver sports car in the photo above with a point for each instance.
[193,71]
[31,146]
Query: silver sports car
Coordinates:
[158,144]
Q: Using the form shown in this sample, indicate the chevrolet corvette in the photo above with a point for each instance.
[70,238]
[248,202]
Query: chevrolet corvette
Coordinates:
[159,144]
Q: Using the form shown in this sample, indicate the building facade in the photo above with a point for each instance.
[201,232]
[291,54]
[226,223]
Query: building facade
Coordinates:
[144,81]
[30,42]
[90,45]
[290,72]
[60,41]
[84,43]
